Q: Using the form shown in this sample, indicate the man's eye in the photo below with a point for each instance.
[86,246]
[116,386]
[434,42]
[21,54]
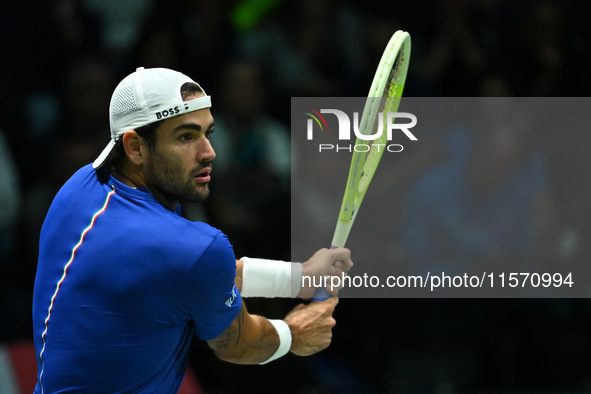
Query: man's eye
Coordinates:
[185,137]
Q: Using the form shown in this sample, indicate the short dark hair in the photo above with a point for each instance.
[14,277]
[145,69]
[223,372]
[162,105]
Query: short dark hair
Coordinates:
[114,162]
[189,89]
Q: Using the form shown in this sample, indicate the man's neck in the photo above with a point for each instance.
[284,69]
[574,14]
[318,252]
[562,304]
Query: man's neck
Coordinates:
[136,180]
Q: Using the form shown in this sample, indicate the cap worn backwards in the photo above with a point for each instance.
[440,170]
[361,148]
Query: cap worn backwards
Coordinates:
[147,96]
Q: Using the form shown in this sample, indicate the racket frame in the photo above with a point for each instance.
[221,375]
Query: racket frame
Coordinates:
[360,175]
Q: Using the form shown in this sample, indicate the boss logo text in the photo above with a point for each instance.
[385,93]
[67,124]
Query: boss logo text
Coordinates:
[167,112]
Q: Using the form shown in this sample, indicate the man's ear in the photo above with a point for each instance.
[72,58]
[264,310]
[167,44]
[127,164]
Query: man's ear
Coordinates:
[132,142]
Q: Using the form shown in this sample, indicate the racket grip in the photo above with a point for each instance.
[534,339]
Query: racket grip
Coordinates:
[320,295]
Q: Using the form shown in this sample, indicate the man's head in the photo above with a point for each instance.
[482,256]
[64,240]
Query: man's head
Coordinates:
[160,128]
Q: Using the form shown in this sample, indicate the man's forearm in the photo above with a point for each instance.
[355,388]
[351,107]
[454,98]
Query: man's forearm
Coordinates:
[268,278]
[273,278]
[250,339]
[239,270]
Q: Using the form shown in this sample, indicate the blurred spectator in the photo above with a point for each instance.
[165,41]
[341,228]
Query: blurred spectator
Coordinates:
[199,39]
[76,140]
[63,30]
[253,158]
[455,58]
[546,48]
[121,21]
[86,93]
[486,204]
[309,48]
[208,36]
[14,287]
[160,45]
[10,202]
[243,99]
[46,37]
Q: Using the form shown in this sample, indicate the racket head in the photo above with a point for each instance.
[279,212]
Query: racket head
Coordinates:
[383,97]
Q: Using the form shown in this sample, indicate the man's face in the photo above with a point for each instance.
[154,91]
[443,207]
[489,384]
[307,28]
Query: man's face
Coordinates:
[178,167]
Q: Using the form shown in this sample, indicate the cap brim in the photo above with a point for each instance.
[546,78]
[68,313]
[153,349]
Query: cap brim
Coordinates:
[104,154]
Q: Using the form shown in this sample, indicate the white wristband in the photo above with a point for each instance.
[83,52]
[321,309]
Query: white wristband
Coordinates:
[284,340]
[270,278]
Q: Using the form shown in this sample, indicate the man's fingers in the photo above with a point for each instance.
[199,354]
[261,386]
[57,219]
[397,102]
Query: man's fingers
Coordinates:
[326,306]
[344,266]
[333,291]
[298,307]
[331,302]
[341,253]
[342,257]
[333,288]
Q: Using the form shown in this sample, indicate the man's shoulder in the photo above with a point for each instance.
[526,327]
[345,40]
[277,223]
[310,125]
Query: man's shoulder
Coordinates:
[79,198]
[134,215]
[168,234]
[181,228]
[210,240]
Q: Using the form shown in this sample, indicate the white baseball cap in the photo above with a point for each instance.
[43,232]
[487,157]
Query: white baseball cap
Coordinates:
[147,96]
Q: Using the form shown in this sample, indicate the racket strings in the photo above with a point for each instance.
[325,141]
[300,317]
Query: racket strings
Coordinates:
[389,101]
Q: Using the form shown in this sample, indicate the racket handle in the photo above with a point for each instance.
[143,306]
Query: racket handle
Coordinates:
[320,295]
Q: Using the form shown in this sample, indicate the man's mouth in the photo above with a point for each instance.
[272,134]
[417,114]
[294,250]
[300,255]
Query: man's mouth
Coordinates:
[203,176]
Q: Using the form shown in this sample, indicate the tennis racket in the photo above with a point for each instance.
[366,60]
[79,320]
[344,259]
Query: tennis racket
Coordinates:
[384,96]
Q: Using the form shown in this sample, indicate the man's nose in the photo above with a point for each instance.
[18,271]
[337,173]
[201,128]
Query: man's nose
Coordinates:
[206,151]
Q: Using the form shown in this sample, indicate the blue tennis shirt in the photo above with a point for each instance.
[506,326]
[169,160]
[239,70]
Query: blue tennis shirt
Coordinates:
[122,286]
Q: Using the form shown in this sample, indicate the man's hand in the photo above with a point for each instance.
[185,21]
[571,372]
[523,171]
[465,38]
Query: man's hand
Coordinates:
[325,262]
[311,326]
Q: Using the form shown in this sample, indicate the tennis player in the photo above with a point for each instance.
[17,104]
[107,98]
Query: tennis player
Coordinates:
[124,282]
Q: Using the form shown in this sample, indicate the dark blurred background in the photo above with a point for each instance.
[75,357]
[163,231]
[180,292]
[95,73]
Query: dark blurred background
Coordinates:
[63,58]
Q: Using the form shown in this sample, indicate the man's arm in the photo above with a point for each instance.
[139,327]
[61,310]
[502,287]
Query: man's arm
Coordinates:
[331,262]
[252,339]
[238,278]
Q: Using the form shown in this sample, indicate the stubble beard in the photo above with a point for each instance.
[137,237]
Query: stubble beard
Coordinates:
[169,179]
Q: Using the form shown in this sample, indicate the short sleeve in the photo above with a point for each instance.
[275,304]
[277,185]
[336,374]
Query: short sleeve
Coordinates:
[213,299]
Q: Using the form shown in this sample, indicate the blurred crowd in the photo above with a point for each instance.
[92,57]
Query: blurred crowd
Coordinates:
[63,58]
